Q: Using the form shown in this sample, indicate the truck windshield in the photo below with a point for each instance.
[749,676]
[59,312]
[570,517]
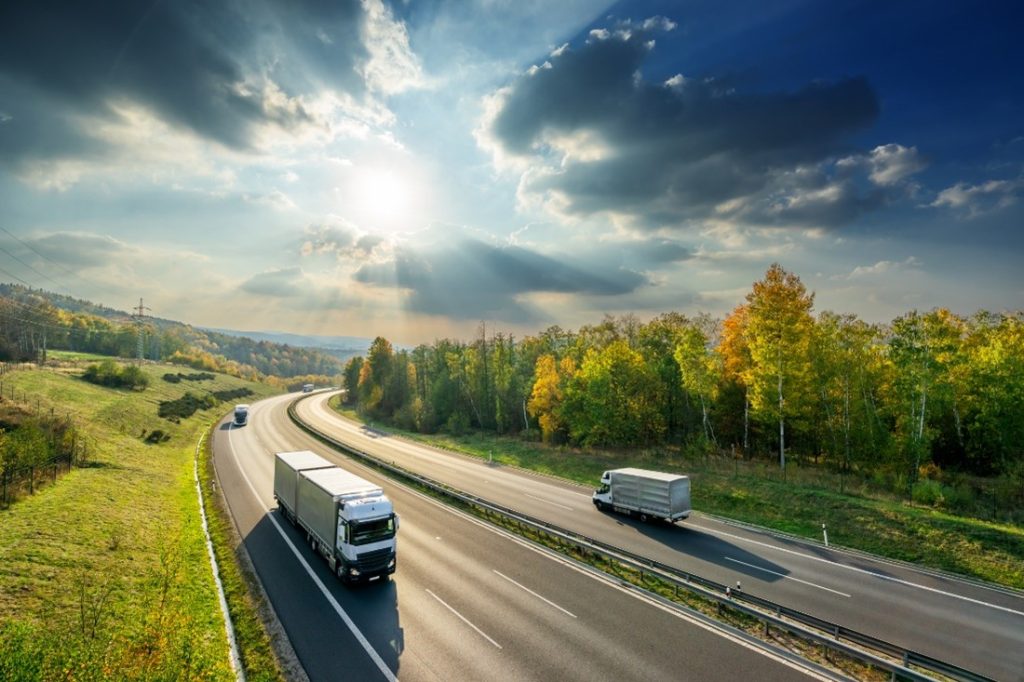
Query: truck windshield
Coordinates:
[603,489]
[372,531]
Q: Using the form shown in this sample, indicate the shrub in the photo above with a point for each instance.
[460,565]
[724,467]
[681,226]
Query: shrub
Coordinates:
[107,373]
[927,492]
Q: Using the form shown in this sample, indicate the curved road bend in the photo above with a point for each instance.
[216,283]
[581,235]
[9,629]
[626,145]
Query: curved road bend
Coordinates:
[466,602]
[974,626]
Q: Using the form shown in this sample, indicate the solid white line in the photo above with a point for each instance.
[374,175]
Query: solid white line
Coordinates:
[857,569]
[524,587]
[787,577]
[553,504]
[378,661]
[235,657]
[463,619]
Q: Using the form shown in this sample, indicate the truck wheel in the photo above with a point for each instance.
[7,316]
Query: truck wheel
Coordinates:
[312,543]
[599,505]
[340,572]
[643,517]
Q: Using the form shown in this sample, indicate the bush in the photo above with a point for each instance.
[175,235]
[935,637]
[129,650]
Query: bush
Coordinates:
[107,373]
[927,492]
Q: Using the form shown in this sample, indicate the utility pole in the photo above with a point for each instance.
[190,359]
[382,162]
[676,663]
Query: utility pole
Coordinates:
[139,314]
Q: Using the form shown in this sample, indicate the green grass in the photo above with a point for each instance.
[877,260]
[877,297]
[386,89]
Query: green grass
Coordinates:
[754,493]
[104,574]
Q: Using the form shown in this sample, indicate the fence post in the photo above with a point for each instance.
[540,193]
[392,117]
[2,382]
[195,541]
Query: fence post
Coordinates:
[32,480]
[5,487]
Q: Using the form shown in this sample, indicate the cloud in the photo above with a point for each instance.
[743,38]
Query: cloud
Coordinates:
[891,163]
[281,283]
[392,66]
[467,279]
[596,137]
[340,238]
[240,76]
[976,200]
[81,250]
[882,267]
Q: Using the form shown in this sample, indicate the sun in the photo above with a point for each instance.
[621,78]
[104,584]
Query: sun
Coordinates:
[383,198]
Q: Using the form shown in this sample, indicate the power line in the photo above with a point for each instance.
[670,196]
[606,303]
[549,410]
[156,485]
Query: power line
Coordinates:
[44,256]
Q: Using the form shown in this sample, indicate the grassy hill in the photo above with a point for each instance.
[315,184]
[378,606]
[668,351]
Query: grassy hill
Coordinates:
[104,573]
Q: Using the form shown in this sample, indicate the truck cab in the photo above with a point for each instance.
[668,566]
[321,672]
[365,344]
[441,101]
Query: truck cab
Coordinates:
[241,415]
[603,495]
[366,538]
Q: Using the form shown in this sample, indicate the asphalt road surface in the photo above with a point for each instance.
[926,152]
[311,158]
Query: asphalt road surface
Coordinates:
[975,626]
[467,601]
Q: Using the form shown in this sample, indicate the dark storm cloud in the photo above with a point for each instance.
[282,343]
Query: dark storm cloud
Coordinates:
[214,68]
[473,280]
[665,152]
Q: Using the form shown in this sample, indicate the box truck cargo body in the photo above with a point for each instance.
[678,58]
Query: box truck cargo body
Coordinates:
[649,494]
[287,466]
[348,520]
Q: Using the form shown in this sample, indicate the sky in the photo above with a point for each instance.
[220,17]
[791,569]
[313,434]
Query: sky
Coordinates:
[414,168]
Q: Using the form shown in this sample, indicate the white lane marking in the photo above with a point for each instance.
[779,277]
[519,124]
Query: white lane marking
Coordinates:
[413,448]
[463,619]
[378,661]
[524,587]
[682,613]
[787,577]
[865,571]
[553,504]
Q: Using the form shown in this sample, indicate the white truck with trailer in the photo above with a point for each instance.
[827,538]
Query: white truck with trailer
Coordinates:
[348,520]
[648,494]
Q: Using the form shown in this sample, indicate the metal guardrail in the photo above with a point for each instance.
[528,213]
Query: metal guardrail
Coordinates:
[827,634]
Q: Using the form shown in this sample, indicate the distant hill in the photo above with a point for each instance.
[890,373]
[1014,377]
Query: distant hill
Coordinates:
[341,347]
[33,320]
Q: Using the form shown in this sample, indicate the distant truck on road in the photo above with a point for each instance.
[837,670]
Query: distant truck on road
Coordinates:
[648,494]
[307,388]
[348,520]
[241,415]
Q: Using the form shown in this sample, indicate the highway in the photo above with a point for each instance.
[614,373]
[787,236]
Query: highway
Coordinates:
[975,626]
[467,601]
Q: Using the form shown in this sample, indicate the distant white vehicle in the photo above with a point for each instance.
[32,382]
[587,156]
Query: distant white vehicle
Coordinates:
[648,494]
[241,415]
[307,388]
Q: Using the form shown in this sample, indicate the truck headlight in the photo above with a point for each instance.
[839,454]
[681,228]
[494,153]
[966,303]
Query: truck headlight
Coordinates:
[353,571]
[391,564]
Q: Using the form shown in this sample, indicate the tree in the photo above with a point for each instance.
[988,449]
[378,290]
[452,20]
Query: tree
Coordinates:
[550,378]
[614,399]
[778,334]
[699,370]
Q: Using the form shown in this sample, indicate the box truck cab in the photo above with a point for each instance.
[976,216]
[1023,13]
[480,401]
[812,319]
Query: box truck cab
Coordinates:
[348,520]
[648,494]
[241,415]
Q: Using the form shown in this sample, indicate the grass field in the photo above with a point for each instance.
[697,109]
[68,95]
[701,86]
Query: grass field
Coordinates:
[754,493]
[104,574]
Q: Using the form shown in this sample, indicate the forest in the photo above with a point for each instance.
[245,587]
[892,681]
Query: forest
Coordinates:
[929,391]
[34,321]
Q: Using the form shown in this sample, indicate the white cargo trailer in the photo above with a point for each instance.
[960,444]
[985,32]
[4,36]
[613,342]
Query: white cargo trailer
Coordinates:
[287,466]
[648,494]
[347,519]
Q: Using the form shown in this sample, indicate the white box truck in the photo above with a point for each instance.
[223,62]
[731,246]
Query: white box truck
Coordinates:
[648,494]
[241,415]
[347,519]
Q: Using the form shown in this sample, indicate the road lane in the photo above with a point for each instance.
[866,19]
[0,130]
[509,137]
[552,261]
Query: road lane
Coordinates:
[961,622]
[456,558]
